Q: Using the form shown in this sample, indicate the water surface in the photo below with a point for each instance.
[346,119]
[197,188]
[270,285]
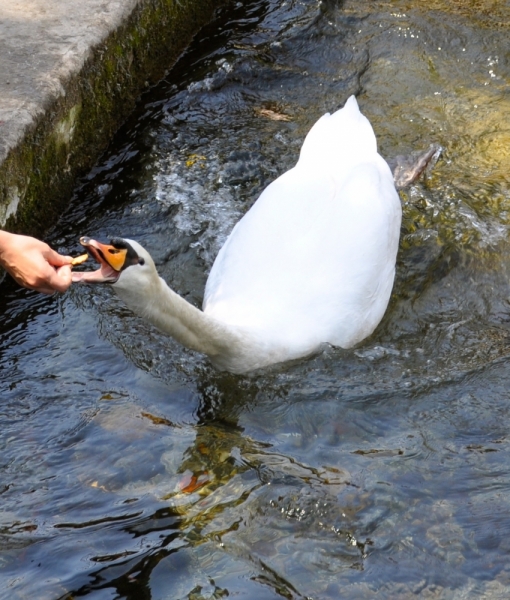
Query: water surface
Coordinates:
[132,469]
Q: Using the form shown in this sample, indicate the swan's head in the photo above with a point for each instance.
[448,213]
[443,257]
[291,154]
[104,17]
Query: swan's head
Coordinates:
[123,263]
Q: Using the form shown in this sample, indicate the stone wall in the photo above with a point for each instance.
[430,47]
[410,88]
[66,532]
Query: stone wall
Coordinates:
[73,71]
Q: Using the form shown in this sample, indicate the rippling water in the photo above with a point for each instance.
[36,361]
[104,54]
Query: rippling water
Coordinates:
[131,469]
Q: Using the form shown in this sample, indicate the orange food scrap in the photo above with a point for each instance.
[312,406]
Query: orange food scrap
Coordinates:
[191,482]
[157,420]
[204,449]
[273,115]
[78,260]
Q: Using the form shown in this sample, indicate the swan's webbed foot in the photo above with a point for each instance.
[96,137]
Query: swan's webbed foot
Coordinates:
[407,169]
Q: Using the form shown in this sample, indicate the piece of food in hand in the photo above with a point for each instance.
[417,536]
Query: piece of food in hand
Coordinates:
[78,260]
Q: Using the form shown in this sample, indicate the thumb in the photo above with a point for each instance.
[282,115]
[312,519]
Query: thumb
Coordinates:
[56,259]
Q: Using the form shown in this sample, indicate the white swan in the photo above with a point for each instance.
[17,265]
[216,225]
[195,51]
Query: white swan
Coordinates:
[312,262]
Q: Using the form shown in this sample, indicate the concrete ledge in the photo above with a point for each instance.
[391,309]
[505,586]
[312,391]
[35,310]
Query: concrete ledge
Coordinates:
[70,73]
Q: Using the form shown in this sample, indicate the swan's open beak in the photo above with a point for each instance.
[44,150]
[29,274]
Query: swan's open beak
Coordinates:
[110,258]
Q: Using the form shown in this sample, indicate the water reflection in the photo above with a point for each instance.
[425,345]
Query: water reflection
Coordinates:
[131,469]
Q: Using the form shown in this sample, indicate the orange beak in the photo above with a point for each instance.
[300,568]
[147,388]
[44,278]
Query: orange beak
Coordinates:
[115,257]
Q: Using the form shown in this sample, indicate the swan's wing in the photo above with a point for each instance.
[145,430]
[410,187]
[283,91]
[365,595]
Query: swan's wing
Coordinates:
[313,260]
[260,269]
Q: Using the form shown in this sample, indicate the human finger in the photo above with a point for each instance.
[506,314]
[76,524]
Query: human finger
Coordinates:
[56,259]
[61,278]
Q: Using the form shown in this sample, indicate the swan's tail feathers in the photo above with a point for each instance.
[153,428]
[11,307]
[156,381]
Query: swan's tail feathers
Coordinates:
[343,135]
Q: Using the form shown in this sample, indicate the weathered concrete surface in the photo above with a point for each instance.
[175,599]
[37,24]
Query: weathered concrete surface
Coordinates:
[70,72]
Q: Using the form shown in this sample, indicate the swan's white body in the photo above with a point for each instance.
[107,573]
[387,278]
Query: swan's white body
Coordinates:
[312,262]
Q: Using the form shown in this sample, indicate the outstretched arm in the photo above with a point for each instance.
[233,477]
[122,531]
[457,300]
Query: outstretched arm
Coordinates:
[33,264]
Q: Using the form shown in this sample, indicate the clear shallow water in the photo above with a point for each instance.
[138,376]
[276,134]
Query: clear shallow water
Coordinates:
[131,469]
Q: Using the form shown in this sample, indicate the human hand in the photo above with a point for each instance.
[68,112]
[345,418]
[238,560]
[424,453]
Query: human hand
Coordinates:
[33,264]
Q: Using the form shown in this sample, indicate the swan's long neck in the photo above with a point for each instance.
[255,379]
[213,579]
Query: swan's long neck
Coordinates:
[225,345]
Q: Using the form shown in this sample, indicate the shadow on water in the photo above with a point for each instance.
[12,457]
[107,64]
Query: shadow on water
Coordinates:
[131,469]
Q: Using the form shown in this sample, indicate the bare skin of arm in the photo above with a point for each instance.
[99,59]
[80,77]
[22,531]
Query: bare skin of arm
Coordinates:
[33,264]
